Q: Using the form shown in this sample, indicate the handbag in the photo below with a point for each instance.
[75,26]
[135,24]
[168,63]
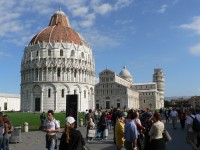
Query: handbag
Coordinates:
[105,132]
[166,136]
[92,133]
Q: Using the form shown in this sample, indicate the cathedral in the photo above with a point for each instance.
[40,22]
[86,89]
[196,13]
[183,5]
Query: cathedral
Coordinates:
[57,62]
[119,91]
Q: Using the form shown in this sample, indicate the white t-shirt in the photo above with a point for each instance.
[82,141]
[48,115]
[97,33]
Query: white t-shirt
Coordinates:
[189,121]
[52,125]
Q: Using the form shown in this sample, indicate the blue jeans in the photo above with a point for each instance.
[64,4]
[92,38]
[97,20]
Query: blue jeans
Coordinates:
[1,140]
[51,142]
[6,139]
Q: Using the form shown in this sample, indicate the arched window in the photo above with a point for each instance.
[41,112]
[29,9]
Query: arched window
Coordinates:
[49,92]
[58,72]
[72,53]
[61,52]
[84,94]
[62,92]
[82,55]
[49,52]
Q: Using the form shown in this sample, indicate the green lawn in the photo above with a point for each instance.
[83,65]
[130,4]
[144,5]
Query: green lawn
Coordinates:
[33,119]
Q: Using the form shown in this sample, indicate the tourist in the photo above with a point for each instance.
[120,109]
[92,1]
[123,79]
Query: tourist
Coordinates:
[114,119]
[167,115]
[140,129]
[71,138]
[96,116]
[1,128]
[198,118]
[156,139]
[42,119]
[174,116]
[90,126]
[119,131]
[7,132]
[109,123]
[191,136]
[87,118]
[102,125]
[51,127]
[182,118]
[131,133]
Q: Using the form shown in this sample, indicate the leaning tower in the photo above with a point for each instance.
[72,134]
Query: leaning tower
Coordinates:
[159,78]
[57,62]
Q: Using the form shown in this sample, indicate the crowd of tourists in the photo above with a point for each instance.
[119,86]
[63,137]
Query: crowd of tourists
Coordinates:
[189,120]
[133,130]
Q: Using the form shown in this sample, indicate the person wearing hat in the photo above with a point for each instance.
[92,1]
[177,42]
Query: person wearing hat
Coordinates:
[119,131]
[71,138]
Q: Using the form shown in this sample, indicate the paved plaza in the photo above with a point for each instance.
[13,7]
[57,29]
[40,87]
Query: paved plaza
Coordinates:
[36,140]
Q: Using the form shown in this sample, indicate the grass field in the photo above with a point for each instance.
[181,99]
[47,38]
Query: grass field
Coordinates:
[33,119]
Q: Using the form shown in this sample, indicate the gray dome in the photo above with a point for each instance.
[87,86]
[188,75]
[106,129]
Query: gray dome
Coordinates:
[125,74]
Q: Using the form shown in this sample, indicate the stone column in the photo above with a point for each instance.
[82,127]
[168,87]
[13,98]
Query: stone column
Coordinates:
[31,102]
[55,102]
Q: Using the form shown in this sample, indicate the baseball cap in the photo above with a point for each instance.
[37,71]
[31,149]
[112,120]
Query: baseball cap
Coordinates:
[70,120]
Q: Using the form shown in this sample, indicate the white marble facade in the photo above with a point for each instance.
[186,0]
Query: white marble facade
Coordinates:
[119,91]
[57,62]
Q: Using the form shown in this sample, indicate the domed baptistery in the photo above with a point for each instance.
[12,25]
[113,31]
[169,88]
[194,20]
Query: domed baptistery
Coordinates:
[56,63]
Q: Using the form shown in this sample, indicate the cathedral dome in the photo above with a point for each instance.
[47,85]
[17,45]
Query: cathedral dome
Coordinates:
[125,74]
[59,30]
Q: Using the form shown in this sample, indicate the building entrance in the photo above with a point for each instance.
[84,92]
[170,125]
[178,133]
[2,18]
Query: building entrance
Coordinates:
[37,104]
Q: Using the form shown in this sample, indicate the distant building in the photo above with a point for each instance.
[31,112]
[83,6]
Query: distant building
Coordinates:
[121,92]
[194,101]
[9,102]
[179,101]
[57,62]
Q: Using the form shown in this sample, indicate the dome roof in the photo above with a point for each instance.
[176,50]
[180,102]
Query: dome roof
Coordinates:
[125,73]
[59,30]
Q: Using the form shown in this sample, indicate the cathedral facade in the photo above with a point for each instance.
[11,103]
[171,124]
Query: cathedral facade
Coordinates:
[57,62]
[119,91]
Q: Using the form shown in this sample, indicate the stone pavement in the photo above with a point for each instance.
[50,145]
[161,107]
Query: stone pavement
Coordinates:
[36,140]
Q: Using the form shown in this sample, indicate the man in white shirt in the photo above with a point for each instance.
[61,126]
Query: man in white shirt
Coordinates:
[51,127]
[174,116]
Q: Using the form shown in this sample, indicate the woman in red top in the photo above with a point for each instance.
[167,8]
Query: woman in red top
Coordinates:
[109,123]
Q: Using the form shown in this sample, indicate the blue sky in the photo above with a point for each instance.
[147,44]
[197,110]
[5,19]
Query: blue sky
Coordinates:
[141,34]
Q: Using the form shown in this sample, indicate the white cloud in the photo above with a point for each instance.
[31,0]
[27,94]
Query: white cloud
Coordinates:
[195,50]
[162,8]
[99,39]
[103,9]
[24,18]
[122,3]
[4,54]
[81,11]
[194,25]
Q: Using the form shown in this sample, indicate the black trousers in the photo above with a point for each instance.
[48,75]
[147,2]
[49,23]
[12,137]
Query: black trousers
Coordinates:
[157,144]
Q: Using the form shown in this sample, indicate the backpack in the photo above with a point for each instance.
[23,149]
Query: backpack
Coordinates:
[195,124]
